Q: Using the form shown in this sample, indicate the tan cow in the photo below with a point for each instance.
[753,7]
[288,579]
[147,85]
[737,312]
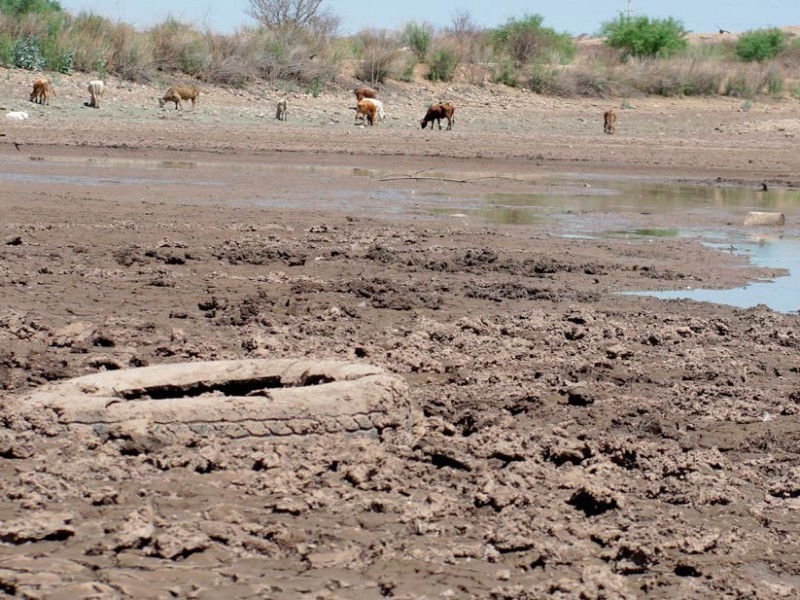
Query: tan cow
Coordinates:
[180,92]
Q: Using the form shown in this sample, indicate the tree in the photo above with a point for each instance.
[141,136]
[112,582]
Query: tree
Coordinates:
[645,37]
[287,15]
[759,45]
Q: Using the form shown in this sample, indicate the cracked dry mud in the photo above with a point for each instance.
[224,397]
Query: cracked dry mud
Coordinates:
[570,442]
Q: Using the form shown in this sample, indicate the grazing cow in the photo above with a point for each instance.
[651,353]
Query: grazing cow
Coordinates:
[42,90]
[380,114]
[281,110]
[368,109]
[180,92]
[96,89]
[437,112]
[364,92]
[609,121]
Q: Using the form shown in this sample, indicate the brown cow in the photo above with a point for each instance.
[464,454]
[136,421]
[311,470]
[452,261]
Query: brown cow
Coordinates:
[368,109]
[42,90]
[609,121]
[364,92]
[437,112]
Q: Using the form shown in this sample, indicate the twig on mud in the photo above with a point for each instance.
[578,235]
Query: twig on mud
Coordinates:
[417,177]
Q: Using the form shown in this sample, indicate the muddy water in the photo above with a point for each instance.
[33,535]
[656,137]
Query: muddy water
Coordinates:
[569,204]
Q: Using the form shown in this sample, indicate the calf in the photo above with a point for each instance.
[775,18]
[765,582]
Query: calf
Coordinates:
[368,109]
[437,112]
[42,89]
[281,110]
[180,92]
[380,114]
[609,121]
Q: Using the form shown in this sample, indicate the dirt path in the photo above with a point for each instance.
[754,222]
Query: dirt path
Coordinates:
[567,441]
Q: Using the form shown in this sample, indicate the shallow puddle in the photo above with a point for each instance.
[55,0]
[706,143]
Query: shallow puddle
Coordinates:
[779,294]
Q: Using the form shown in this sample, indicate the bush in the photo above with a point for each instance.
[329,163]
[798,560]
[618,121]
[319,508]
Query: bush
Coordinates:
[418,38]
[526,40]
[381,58]
[27,54]
[643,37]
[760,45]
[442,64]
[505,73]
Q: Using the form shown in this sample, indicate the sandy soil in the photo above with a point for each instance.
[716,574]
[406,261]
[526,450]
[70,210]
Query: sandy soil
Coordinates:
[566,441]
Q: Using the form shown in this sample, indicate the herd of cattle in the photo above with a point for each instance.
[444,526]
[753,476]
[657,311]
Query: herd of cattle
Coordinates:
[368,108]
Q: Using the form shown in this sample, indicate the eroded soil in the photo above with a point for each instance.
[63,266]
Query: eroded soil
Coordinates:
[570,441]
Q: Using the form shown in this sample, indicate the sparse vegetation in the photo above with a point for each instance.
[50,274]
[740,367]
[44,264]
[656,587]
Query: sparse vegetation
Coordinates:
[443,63]
[418,38]
[641,55]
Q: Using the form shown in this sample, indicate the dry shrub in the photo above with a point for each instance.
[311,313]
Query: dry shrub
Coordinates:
[90,41]
[790,58]
[256,53]
[474,54]
[750,80]
[179,47]
[678,77]
[381,57]
[132,56]
[235,59]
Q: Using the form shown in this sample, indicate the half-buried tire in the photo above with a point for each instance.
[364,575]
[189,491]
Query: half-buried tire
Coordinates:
[235,399]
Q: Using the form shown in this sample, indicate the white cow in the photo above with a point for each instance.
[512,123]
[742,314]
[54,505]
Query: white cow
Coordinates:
[96,89]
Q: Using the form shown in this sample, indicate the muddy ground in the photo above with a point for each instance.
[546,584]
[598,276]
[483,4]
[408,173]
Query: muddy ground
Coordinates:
[567,441]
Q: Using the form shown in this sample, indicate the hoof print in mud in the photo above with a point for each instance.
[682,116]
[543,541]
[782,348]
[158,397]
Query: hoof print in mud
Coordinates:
[234,399]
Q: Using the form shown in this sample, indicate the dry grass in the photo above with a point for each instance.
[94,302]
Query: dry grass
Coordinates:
[90,43]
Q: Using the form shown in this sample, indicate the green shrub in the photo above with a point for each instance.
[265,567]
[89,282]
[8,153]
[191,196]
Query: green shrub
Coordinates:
[315,87]
[505,73]
[6,50]
[27,54]
[525,40]
[645,37]
[16,8]
[773,83]
[759,45]
[418,38]
[442,64]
